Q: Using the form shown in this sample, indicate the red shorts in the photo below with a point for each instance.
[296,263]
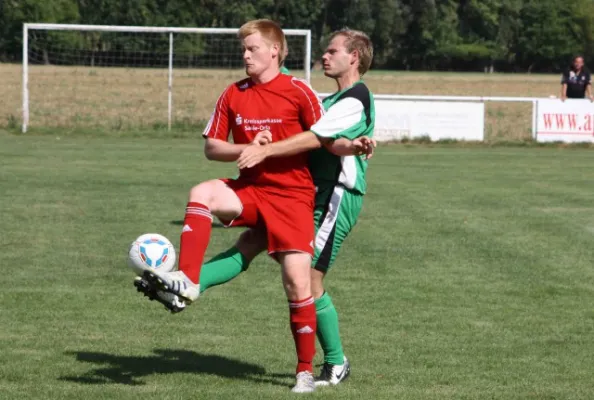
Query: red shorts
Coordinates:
[287,216]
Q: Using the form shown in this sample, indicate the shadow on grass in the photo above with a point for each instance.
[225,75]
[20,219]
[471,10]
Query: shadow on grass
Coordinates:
[180,222]
[129,370]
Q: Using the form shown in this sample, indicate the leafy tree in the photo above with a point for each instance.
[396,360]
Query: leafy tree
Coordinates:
[410,34]
[387,32]
[17,12]
[550,34]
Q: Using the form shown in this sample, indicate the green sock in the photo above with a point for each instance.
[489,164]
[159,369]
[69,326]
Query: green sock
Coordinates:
[328,333]
[222,268]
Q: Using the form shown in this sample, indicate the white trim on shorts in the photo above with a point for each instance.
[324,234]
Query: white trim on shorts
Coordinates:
[330,218]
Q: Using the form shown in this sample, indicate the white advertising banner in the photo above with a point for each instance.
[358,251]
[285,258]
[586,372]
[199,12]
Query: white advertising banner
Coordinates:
[398,119]
[565,121]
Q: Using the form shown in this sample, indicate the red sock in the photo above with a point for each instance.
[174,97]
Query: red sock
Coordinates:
[303,326]
[194,240]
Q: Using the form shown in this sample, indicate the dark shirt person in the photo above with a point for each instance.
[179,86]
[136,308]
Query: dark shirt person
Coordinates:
[575,83]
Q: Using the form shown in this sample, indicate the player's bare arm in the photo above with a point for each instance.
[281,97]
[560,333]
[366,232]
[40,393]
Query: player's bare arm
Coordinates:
[305,141]
[345,147]
[300,143]
[262,138]
[221,150]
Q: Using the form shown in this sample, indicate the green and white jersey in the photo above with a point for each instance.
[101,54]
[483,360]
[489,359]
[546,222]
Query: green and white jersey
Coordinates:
[350,114]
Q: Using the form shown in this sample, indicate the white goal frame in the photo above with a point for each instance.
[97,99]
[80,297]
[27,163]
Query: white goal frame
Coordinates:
[306,33]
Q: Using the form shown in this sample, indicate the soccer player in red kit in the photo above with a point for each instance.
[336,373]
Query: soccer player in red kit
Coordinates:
[277,195]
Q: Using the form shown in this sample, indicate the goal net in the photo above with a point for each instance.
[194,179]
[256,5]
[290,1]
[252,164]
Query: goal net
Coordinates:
[116,77]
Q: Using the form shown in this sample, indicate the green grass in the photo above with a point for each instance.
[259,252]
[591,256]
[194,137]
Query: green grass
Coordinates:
[469,276]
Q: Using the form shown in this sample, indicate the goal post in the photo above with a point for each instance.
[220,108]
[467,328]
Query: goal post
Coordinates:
[107,59]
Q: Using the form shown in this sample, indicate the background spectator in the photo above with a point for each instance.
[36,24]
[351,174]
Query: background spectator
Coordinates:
[575,83]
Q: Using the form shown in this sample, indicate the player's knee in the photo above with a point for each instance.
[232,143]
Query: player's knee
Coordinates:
[296,274]
[297,288]
[296,292]
[204,193]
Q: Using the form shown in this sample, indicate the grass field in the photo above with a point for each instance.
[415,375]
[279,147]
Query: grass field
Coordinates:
[469,276]
[121,100]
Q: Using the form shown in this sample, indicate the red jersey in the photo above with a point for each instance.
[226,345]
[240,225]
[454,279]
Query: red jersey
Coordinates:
[285,106]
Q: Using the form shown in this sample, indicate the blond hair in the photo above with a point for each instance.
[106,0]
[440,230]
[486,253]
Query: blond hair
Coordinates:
[270,31]
[357,41]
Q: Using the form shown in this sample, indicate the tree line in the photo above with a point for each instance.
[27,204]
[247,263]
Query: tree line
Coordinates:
[465,35]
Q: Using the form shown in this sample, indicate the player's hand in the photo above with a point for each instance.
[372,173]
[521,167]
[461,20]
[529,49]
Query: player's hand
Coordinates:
[252,156]
[364,146]
[262,138]
[370,145]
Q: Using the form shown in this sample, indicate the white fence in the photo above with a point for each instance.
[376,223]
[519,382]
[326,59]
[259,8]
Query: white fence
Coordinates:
[436,117]
[463,117]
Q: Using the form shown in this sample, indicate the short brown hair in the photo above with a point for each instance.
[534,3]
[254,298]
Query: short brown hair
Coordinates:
[269,30]
[360,42]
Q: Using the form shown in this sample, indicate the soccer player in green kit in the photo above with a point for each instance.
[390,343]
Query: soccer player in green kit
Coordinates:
[340,145]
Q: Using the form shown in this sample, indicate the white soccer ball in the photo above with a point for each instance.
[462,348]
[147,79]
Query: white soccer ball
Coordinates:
[151,251]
